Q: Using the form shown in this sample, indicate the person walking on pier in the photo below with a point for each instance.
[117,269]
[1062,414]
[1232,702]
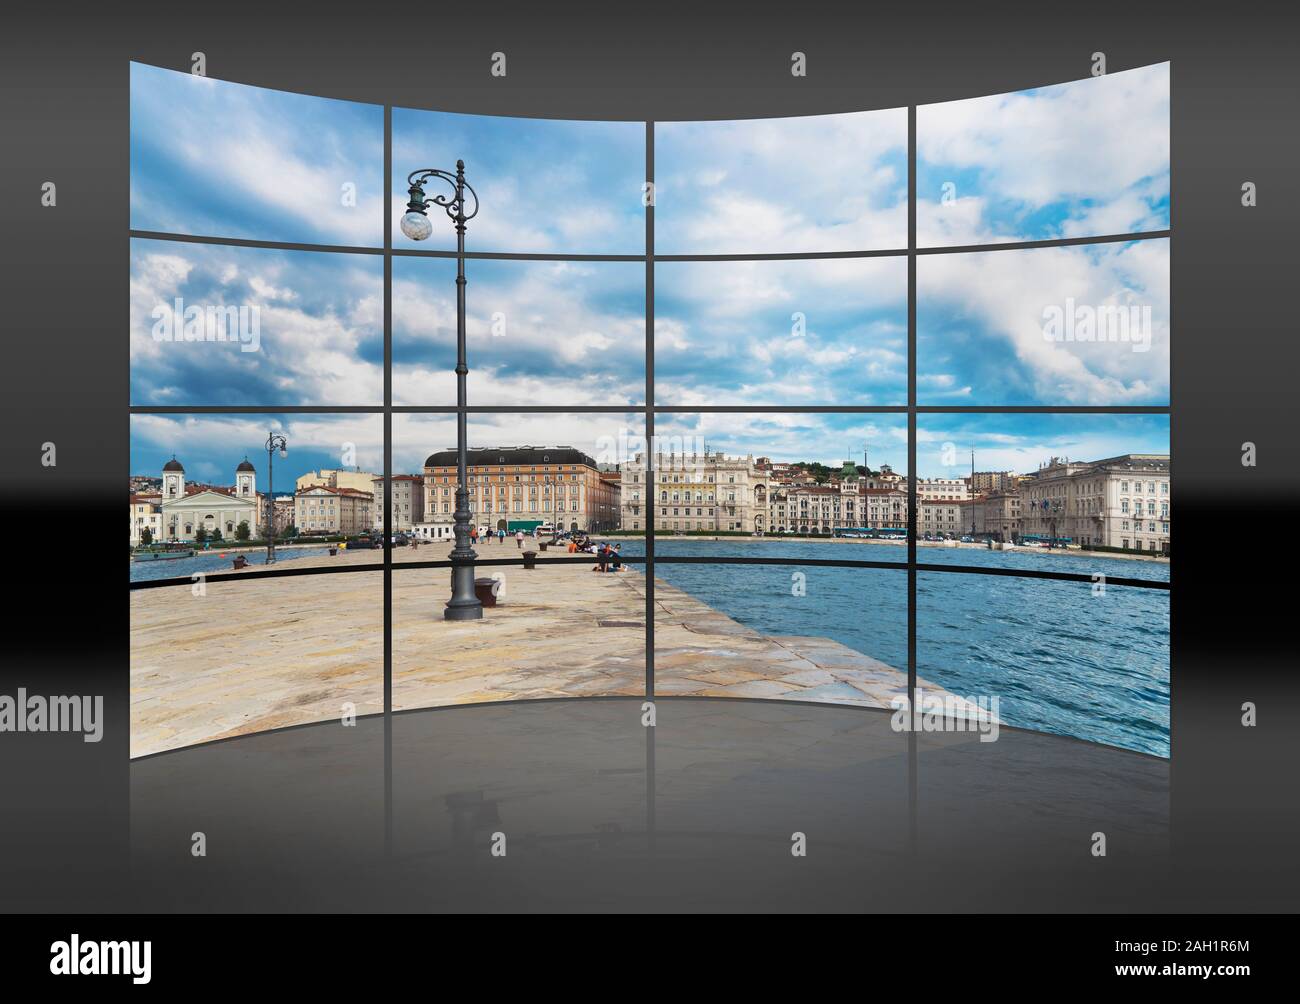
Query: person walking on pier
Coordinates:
[519,539]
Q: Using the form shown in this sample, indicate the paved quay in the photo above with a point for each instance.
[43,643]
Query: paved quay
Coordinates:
[261,654]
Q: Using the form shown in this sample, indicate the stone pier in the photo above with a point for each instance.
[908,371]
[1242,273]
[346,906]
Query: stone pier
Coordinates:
[260,654]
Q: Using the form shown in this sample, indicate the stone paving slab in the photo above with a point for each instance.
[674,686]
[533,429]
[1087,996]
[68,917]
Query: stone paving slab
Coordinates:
[261,654]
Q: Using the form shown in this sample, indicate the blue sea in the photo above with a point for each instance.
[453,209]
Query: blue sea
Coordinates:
[1059,657]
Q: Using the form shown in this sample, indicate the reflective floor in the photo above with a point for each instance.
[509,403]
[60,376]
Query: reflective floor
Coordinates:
[595,812]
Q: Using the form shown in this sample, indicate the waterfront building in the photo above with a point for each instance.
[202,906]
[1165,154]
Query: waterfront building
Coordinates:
[185,508]
[408,502]
[321,509]
[1120,501]
[696,492]
[778,507]
[934,489]
[146,514]
[357,480]
[521,485]
[822,508]
[945,516]
[884,508]
[997,514]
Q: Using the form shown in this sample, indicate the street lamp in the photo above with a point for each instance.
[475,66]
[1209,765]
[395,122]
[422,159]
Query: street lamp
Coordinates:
[1052,510]
[274,442]
[464,605]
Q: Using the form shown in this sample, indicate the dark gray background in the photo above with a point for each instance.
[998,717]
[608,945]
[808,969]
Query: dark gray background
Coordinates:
[64,273]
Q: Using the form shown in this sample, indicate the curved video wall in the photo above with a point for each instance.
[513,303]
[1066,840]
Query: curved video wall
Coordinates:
[867,409]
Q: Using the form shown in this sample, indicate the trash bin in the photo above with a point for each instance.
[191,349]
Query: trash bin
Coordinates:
[484,590]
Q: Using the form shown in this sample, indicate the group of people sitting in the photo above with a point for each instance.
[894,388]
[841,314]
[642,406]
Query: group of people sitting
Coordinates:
[608,556]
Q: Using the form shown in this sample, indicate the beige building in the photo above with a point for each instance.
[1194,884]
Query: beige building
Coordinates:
[778,508]
[884,508]
[986,482]
[519,487]
[950,517]
[997,515]
[1121,501]
[408,502]
[146,514]
[823,508]
[357,480]
[321,509]
[931,489]
[185,509]
[696,492]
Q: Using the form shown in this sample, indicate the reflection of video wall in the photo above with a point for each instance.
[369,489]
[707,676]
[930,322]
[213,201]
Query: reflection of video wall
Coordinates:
[790,373]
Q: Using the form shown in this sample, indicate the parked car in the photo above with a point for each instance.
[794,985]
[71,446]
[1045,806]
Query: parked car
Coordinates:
[968,539]
[361,543]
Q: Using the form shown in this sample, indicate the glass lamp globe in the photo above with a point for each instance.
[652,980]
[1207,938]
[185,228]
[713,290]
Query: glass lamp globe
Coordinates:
[416,226]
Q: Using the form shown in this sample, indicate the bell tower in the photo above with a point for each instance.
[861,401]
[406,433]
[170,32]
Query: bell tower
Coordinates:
[173,478]
[246,481]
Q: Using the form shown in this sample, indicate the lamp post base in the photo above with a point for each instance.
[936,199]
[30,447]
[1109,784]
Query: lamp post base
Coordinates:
[472,611]
[464,604]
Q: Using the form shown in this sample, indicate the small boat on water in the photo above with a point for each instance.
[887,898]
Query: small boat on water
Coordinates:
[163,554]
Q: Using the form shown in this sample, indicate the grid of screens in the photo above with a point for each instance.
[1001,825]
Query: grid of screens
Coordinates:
[874,405]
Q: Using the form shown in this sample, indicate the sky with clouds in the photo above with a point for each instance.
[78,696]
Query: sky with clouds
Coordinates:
[782,186]
[982,326]
[545,186]
[537,332]
[214,158]
[1083,158]
[781,332]
[318,334]
[211,445]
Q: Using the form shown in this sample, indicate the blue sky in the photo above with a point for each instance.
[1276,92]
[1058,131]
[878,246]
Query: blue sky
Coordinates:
[210,446]
[214,158]
[537,332]
[781,332]
[546,186]
[982,326]
[319,320]
[786,185]
[1022,442]
[1080,159]
[1001,442]
[1087,157]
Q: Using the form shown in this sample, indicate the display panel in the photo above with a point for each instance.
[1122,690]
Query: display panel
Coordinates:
[240,326]
[628,547]
[1045,326]
[1088,158]
[781,332]
[545,186]
[538,332]
[218,159]
[782,186]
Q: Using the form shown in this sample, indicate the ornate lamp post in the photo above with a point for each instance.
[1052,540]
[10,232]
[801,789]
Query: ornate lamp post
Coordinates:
[464,605]
[274,442]
[1052,510]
